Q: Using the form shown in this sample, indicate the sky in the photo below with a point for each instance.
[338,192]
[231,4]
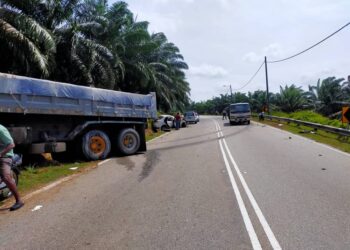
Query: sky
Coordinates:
[224,41]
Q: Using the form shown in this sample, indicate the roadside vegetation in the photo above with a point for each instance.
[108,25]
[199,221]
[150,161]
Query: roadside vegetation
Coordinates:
[150,134]
[91,43]
[326,97]
[311,116]
[33,177]
[334,140]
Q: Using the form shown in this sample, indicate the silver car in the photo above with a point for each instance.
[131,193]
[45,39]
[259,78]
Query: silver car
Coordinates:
[191,117]
[165,122]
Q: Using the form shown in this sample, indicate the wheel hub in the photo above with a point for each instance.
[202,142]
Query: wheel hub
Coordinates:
[97,144]
[128,141]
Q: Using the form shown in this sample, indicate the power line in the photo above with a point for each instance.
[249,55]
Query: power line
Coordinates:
[251,79]
[290,57]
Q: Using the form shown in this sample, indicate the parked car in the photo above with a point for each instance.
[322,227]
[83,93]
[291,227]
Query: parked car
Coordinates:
[197,116]
[191,117]
[165,122]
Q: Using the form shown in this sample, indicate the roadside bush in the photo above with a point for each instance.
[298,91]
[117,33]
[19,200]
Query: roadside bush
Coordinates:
[310,116]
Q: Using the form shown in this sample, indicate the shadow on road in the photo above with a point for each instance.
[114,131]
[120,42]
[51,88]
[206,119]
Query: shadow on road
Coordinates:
[182,145]
[235,125]
[188,138]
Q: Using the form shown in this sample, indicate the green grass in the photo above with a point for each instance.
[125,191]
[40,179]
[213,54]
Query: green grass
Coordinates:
[33,177]
[310,116]
[151,135]
[334,140]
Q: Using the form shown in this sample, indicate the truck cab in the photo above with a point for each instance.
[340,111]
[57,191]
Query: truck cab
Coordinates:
[239,113]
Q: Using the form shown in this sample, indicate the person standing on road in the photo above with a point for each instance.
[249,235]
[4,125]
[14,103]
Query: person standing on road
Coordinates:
[6,155]
[224,114]
[177,121]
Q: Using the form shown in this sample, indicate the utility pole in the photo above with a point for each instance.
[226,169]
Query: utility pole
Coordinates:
[267,88]
[225,86]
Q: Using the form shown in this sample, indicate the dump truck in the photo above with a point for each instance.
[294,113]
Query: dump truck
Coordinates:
[64,119]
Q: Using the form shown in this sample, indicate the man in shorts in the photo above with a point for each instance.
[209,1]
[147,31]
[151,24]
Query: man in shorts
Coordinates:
[6,155]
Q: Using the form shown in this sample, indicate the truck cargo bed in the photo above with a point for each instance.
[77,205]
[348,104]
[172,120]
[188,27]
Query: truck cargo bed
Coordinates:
[35,96]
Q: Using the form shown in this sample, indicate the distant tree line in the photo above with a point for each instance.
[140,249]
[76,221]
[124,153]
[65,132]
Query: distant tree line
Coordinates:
[325,97]
[88,42]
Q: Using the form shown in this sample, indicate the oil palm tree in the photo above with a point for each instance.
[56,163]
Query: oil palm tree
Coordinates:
[26,45]
[291,98]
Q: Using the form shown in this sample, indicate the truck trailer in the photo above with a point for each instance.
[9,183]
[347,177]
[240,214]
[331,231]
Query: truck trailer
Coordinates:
[52,117]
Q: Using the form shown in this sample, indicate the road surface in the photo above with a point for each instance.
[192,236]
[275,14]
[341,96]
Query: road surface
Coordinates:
[208,186]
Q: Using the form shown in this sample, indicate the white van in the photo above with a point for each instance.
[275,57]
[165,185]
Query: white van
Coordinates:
[239,113]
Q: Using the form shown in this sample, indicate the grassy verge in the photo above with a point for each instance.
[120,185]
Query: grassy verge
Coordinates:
[32,178]
[310,116]
[336,141]
[151,135]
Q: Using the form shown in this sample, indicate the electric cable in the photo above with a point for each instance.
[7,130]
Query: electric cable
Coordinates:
[251,79]
[290,57]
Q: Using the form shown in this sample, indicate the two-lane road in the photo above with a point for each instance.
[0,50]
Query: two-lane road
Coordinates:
[208,186]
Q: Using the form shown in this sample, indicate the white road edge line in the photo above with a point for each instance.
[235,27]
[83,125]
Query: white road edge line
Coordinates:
[248,224]
[103,162]
[265,225]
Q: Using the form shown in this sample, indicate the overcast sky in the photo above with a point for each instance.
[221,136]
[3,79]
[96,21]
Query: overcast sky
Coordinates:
[225,41]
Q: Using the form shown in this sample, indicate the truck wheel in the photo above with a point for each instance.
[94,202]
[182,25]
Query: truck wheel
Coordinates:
[96,145]
[128,141]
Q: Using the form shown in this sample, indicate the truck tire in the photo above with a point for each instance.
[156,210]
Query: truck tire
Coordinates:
[128,141]
[96,145]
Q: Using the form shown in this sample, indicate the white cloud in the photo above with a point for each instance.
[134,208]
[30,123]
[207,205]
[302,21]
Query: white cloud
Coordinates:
[226,40]
[251,57]
[209,71]
[167,1]
[225,3]
[169,23]
[272,51]
[312,77]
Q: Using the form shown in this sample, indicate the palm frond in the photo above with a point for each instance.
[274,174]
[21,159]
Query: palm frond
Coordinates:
[15,41]
[30,28]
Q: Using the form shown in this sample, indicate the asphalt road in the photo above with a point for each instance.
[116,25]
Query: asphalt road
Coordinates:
[208,186]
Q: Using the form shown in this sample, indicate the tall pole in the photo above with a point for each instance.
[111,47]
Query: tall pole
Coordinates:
[267,88]
[231,93]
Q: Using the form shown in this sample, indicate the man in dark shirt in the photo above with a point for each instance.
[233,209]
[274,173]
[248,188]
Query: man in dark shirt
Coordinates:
[6,155]
[177,121]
